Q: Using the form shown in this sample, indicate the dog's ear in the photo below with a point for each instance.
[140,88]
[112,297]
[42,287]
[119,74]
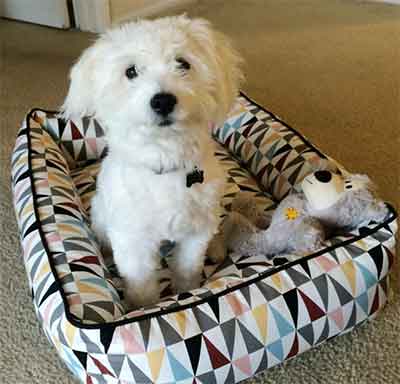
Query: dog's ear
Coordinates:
[226,65]
[81,93]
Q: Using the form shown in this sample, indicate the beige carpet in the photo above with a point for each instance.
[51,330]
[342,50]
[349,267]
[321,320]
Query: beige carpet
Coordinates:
[330,68]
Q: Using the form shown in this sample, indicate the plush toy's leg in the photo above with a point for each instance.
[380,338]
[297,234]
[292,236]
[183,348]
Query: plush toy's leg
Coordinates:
[307,238]
[256,244]
[376,211]
[237,230]
[216,251]
[251,208]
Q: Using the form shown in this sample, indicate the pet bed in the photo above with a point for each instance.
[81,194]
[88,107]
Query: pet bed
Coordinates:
[249,314]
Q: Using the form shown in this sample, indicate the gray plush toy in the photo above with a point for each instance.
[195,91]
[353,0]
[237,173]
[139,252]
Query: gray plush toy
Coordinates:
[302,221]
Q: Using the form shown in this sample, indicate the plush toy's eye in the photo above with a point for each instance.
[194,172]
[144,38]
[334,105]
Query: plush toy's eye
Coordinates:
[323,176]
[183,64]
[131,72]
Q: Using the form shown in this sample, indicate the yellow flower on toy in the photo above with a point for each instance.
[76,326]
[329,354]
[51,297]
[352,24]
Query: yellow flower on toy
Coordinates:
[291,213]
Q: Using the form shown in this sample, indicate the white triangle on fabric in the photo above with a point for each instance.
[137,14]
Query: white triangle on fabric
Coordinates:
[333,299]
[239,348]
[318,327]
[126,372]
[155,342]
[141,361]
[205,364]
[222,373]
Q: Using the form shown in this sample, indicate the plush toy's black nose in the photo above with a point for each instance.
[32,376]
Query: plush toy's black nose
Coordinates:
[163,103]
[323,176]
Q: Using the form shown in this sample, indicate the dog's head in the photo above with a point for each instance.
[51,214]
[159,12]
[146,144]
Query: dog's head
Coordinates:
[154,74]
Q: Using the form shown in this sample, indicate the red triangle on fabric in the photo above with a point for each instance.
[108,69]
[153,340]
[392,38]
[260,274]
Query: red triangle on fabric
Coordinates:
[217,358]
[75,133]
[88,260]
[101,367]
[391,257]
[89,380]
[314,311]
[295,348]
[375,304]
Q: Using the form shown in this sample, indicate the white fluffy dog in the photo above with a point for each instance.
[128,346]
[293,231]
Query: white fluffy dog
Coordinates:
[156,87]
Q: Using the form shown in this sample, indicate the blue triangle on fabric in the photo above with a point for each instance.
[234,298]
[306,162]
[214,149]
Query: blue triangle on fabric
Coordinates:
[369,278]
[276,349]
[226,129]
[238,123]
[257,159]
[180,372]
[72,362]
[362,301]
[284,327]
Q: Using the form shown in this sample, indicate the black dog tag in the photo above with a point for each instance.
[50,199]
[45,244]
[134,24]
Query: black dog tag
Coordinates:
[197,176]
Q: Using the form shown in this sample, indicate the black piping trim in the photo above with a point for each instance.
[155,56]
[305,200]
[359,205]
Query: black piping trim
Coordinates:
[79,324]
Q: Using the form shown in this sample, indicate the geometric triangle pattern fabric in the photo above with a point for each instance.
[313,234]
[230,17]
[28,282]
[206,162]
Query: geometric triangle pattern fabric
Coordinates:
[269,148]
[250,313]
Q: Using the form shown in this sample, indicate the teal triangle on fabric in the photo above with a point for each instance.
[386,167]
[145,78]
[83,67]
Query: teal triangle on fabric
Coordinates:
[284,327]
[257,159]
[270,153]
[225,130]
[179,371]
[238,122]
[362,301]
[276,349]
[369,278]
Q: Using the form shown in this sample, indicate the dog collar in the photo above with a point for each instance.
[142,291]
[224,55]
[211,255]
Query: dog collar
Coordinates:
[196,176]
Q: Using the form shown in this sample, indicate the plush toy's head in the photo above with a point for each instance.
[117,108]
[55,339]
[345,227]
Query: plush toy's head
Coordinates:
[324,188]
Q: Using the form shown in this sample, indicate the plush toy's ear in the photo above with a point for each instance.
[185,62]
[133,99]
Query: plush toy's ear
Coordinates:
[225,61]
[79,101]
[356,181]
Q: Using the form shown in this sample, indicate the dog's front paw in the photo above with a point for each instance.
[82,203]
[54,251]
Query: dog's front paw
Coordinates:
[138,296]
[185,284]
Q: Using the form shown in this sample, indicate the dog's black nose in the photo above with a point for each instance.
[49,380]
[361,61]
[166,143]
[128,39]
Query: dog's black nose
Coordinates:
[323,176]
[163,103]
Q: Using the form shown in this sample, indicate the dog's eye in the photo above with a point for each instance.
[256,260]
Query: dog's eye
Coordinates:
[183,64]
[131,72]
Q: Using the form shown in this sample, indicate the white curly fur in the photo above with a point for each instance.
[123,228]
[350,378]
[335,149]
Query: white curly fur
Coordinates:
[135,207]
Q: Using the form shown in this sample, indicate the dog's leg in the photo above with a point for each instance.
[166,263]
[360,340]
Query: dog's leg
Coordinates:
[188,261]
[137,261]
